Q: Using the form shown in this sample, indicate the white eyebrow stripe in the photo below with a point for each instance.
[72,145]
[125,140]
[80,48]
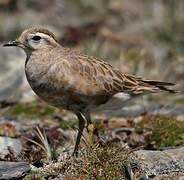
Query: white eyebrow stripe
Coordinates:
[45,36]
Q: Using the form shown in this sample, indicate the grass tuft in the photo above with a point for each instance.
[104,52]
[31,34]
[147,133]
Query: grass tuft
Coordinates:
[105,162]
[97,162]
[31,110]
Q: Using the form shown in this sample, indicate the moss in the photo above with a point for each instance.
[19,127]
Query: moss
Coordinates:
[97,162]
[71,124]
[31,110]
[39,110]
[103,162]
[166,131]
[180,101]
[35,175]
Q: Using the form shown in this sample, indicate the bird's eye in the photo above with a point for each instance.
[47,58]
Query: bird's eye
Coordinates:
[36,38]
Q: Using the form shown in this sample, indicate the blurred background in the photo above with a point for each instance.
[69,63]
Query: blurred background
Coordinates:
[141,37]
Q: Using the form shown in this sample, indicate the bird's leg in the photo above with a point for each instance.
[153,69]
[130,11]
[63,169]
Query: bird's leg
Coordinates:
[81,128]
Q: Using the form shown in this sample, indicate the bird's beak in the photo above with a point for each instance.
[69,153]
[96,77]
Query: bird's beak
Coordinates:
[11,43]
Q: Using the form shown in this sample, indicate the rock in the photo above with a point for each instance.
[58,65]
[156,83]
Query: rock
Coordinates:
[8,144]
[11,72]
[13,170]
[151,108]
[159,163]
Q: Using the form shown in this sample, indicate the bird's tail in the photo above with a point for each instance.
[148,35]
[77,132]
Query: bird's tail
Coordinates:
[160,85]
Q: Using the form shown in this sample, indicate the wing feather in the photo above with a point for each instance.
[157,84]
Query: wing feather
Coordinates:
[101,78]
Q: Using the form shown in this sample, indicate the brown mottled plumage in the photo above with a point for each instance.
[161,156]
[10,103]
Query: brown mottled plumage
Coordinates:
[71,80]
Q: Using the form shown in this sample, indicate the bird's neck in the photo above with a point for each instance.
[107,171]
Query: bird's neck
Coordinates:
[38,56]
[37,62]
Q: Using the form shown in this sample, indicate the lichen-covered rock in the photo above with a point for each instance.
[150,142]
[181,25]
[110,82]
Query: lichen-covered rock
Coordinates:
[13,170]
[8,144]
[161,163]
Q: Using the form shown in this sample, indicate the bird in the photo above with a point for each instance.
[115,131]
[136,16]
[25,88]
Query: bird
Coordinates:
[71,80]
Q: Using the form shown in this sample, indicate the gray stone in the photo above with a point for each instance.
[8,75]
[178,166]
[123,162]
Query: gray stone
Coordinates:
[151,108]
[155,163]
[7,143]
[13,170]
[11,72]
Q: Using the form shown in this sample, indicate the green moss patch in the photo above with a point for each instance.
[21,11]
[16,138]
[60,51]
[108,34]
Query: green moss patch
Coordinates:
[165,131]
[33,109]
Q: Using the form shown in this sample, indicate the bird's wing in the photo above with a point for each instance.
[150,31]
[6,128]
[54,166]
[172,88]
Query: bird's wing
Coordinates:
[95,77]
[104,79]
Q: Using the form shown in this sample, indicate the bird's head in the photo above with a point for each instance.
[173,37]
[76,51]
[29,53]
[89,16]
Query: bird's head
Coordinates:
[34,39]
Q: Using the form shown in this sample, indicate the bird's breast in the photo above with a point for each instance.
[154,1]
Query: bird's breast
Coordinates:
[54,85]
